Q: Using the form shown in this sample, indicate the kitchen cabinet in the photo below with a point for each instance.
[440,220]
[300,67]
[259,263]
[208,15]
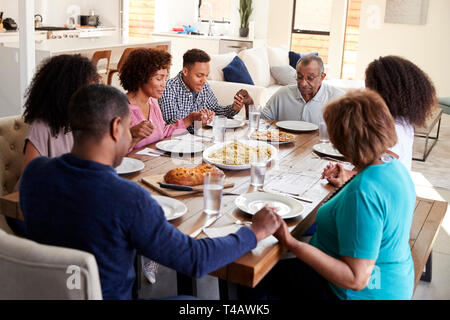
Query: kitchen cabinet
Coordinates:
[13,36]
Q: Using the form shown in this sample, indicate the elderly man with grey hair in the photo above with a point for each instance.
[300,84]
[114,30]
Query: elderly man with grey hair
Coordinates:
[306,100]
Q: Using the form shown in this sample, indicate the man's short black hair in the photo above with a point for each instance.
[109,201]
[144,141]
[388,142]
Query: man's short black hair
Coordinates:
[92,109]
[195,55]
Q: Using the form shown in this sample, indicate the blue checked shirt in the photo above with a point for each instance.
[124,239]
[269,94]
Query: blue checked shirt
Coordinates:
[178,101]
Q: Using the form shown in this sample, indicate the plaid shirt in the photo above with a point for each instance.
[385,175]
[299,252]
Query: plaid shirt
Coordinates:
[178,101]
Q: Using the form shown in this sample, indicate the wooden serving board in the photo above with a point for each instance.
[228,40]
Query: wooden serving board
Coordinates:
[152,181]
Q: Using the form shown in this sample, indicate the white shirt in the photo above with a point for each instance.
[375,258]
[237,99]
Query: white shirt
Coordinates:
[405,140]
[288,104]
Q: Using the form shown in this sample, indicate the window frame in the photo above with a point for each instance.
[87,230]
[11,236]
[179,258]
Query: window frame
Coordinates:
[214,21]
[302,31]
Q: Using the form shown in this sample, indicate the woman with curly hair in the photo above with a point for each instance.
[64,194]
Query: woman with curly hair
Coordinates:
[410,96]
[361,248]
[144,75]
[46,108]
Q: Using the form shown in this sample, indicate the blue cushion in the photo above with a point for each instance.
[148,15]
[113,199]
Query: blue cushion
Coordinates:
[294,57]
[236,71]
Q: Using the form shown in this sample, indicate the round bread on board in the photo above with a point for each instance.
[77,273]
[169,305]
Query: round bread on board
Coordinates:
[189,176]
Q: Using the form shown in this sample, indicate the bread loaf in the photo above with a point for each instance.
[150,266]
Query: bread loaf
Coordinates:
[189,177]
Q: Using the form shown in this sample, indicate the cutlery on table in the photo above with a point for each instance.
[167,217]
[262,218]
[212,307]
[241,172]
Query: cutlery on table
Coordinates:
[238,221]
[208,222]
[188,188]
[287,194]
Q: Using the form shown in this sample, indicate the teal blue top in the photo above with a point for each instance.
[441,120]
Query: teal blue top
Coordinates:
[370,218]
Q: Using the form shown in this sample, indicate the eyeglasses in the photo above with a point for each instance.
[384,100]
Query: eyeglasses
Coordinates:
[308,78]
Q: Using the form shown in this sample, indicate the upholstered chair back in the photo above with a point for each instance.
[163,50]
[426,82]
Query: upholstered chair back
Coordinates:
[35,271]
[13,131]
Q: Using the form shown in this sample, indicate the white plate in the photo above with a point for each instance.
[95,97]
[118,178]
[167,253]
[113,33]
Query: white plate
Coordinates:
[172,208]
[273,142]
[180,146]
[130,165]
[328,149]
[253,202]
[210,150]
[297,126]
[231,123]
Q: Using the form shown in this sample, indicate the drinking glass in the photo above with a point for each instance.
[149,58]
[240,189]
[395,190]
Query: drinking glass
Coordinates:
[323,133]
[253,117]
[258,168]
[212,192]
[219,126]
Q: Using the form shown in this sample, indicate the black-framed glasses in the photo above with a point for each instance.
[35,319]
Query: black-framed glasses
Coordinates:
[308,78]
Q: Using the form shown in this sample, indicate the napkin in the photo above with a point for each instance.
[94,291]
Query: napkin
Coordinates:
[221,231]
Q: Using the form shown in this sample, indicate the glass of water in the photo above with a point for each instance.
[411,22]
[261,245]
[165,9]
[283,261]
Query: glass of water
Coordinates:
[323,133]
[258,168]
[212,192]
[253,117]
[219,126]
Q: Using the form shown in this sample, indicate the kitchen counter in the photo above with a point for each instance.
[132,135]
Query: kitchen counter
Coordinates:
[83,44]
[200,37]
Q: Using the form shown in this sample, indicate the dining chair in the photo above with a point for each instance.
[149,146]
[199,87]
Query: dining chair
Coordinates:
[100,55]
[13,131]
[33,271]
[123,58]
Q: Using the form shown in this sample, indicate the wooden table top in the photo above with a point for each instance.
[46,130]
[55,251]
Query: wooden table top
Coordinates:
[296,157]
[293,157]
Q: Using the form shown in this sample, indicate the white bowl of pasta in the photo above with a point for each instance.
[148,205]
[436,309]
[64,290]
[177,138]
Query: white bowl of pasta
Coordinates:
[237,155]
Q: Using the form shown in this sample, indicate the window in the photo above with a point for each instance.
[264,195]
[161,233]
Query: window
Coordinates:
[311,27]
[217,10]
[141,18]
[312,16]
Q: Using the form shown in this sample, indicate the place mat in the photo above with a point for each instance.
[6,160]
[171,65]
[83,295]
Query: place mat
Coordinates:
[152,181]
[221,231]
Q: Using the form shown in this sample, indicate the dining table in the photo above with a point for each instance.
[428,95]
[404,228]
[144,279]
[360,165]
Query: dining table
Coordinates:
[298,161]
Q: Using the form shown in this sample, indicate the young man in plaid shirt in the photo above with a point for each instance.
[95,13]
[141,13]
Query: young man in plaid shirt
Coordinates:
[189,91]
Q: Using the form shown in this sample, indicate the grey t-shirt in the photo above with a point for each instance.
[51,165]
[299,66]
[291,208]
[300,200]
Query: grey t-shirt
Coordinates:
[40,135]
[288,104]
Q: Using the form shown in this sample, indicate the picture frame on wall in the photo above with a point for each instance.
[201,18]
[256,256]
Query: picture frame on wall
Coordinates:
[406,11]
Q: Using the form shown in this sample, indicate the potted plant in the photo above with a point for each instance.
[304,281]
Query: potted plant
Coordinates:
[245,11]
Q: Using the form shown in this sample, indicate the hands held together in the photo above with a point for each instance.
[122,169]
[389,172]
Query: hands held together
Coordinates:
[242,98]
[141,131]
[204,115]
[267,222]
[336,174]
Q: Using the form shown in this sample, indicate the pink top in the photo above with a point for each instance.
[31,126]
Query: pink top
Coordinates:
[161,130]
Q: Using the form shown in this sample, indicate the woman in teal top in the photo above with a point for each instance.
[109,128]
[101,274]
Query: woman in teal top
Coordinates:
[361,247]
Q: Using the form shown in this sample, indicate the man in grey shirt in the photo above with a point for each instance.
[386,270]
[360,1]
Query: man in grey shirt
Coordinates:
[306,100]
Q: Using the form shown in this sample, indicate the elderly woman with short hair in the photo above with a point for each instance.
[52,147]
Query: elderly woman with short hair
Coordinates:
[361,247]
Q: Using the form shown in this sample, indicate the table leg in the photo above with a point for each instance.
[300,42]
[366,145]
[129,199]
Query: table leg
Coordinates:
[227,290]
[186,286]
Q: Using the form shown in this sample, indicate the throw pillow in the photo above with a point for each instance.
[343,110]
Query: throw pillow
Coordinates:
[294,57]
[284,75]
[217,63]
[236,71]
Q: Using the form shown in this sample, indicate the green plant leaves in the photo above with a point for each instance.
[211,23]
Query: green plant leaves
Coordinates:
[245,11]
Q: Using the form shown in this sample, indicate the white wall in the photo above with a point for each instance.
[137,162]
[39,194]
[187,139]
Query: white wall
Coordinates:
[57,12]
[427,45]
[279,23]
[176,13]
